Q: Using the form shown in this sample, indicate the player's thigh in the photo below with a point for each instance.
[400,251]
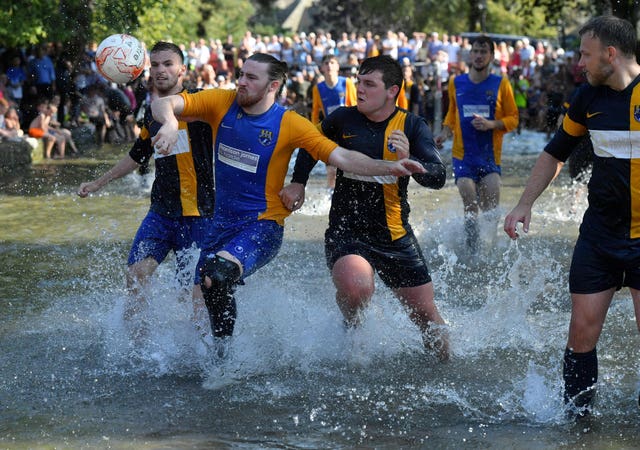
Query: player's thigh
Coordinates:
[489,191]
[468,192]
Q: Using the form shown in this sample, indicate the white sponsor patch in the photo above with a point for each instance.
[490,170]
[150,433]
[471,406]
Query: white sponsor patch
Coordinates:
[480,110]
[380,179]
[239,159]
[182,146]
[621,144]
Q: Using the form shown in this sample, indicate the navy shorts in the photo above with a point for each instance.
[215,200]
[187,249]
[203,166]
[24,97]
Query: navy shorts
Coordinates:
[399,263]
[254,243]
[602,263]
[476,170]
[158,235]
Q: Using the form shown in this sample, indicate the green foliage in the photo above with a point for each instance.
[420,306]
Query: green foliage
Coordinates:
[25,22]
[75,22]
[169,21]
[228,17]
[117,16]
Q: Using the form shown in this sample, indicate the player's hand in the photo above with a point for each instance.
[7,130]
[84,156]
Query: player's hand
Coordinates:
[87,188]
[406,167]
[292,196]
[166,137]
[519,214]
[481,124]
[399,143]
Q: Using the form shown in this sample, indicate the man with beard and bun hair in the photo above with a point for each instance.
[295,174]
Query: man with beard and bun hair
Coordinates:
[606,256]
[369,230]
[182,196]
[482,109]
[254,138]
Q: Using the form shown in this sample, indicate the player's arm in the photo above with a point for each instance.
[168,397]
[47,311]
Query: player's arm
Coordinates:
[450,118]
[125,166]
[166,111]
[423,149]
[544,171]
[359,163]
[292,195]
[507,111]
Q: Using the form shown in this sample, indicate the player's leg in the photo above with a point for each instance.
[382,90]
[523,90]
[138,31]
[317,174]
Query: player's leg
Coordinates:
[469,195]
[489,191]
[238,254]
[423,312]
[151,245]
[353,278]
[580,371]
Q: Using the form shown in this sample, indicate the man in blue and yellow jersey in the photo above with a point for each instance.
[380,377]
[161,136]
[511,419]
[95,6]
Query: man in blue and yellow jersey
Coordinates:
[481,110]
[254,138]
[369,230]
[332,92]
[182,196]
[606,256]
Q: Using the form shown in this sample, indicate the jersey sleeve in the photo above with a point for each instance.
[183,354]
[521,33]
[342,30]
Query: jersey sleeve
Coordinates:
[451,119]
[401,100]
[208,105]
[423,149]
[303,134]
[507,110]
[573,127]
[351,93]
[316,105]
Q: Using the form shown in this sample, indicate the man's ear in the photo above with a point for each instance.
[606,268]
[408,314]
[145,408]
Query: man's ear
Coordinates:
[393,90]
[274,85]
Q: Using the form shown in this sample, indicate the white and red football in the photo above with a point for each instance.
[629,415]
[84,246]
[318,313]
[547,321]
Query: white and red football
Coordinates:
[120,58]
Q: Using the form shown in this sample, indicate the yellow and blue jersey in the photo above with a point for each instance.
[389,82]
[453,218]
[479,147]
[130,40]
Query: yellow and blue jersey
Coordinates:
[326,99]
[252,153]
[492,99]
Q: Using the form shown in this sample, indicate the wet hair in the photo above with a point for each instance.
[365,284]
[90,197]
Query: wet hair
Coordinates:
[277,69]
[612,31]
[483,40]
[389,67]
[162,46]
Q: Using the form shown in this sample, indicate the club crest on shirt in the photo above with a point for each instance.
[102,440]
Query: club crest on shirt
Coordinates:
[266,137]
[490,95]
[636,112]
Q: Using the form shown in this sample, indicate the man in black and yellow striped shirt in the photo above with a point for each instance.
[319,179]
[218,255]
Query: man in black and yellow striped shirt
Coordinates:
[182,196]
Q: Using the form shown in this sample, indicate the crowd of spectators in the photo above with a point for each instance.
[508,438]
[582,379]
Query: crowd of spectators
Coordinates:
[45,77]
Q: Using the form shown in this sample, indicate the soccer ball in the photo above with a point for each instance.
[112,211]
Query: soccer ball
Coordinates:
[120,58]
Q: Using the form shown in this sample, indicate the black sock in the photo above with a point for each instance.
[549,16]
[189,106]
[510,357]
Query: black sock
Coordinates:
[580,374]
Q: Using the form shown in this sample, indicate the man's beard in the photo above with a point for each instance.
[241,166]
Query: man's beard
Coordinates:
[480,68]
[599,78]
[246,100]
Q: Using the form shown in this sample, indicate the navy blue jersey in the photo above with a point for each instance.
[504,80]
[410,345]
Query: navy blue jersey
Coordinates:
[612,119]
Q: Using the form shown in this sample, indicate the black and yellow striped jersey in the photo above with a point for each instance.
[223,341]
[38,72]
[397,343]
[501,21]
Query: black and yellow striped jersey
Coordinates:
[183,184]
[377,208]
[612,120]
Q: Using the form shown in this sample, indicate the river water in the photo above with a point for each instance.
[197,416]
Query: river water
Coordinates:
[295,379]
